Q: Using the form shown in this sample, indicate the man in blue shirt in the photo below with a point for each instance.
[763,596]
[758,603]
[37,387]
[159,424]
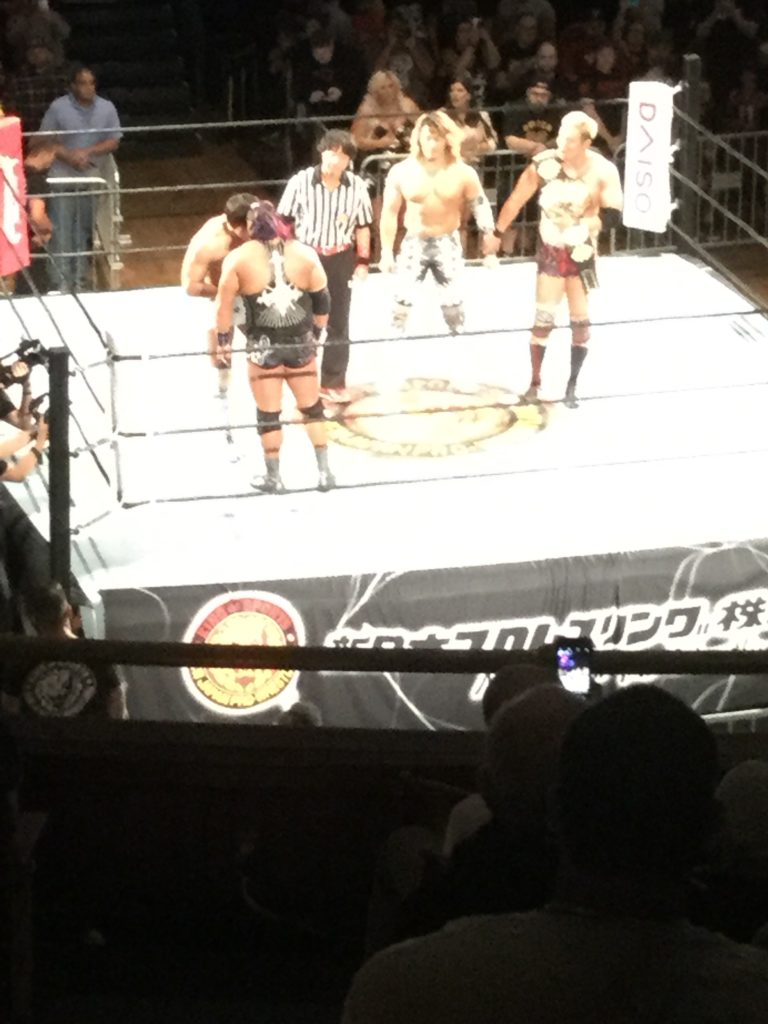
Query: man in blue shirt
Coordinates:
[81,155]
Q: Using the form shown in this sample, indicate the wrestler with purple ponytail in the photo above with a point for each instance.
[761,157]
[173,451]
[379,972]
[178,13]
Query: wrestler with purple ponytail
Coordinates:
[284,290]
[265,224]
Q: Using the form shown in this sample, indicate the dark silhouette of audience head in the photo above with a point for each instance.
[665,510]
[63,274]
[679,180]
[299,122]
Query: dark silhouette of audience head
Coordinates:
[48,610]
[301,715]
[519,772]
[513,681]
[636,791]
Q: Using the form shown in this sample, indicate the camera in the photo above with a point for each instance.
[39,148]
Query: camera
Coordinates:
[403,135]
[573,661]
[29,354]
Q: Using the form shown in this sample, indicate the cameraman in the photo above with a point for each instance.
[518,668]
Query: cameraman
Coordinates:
[23,451]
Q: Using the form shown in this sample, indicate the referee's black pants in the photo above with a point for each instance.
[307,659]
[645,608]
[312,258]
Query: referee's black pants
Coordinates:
[339,269]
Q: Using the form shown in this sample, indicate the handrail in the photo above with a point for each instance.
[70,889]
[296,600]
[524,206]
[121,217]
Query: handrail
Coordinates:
[330,659]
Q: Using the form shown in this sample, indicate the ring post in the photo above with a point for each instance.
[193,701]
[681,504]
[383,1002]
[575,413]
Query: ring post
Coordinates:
[58,472]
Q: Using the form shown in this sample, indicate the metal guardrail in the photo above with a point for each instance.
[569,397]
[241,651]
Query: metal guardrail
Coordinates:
[727,170]
[108,226]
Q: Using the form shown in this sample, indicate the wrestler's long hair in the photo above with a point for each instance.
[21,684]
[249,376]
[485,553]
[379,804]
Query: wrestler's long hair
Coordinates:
[265,224]
[442,125]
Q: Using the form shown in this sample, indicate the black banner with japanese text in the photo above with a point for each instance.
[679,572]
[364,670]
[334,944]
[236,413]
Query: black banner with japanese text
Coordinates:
[714,596]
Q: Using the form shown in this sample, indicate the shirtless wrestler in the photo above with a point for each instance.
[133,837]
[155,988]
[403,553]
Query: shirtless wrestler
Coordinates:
[435,184]
[284,290]
[576,184]
[201,266]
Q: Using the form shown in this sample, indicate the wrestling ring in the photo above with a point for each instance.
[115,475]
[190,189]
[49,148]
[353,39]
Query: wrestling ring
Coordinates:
[464,517]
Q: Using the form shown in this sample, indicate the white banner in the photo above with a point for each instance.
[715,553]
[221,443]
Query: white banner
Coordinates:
[647,188]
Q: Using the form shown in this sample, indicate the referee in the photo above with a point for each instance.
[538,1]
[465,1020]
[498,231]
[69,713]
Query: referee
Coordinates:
[331,209]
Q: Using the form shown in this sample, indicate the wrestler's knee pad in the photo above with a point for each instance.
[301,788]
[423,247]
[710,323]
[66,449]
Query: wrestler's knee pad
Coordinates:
[543,324]
[454,317]
[267,422]
[313,413]
[580,332]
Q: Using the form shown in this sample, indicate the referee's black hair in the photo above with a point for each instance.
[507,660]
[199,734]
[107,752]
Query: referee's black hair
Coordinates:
[335,138]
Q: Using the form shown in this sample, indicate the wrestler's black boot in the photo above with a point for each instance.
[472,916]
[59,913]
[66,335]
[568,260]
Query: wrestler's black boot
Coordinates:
[271,482]
[325,479]
[537,358]
[578,355]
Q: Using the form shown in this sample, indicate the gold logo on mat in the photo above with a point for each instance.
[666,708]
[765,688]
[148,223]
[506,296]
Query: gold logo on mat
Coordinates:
[431,418]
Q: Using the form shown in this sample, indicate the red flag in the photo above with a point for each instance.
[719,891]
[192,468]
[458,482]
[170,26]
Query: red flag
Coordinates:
[14,239]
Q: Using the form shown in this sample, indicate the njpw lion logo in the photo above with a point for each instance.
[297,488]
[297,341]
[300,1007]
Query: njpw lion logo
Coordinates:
[247,617]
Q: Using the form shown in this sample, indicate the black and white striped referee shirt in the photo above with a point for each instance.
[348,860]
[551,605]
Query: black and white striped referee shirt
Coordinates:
[326,218]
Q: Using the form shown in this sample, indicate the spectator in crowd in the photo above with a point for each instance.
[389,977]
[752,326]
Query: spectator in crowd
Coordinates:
[326,77]
[482,862]
[41,153]
[10,779]
[663,59]
[509,862]
[732,894]
[726,39]
[59,689]
[407,53]
[338,22]
[92,130]
[508,13]
[600,90]
[747,107]
[478,134]
[370,25]
[762,61]
[635,808]
[38,83]
[288,35]
[518,57]
[528,127]
[471,52]
[648,13]
[577,44]
[651,12]
[301,715]
[531,127]
[504,686]
[631,43]
[545,69]
[30,20]
[331,211]
[607,78]
[385,117]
